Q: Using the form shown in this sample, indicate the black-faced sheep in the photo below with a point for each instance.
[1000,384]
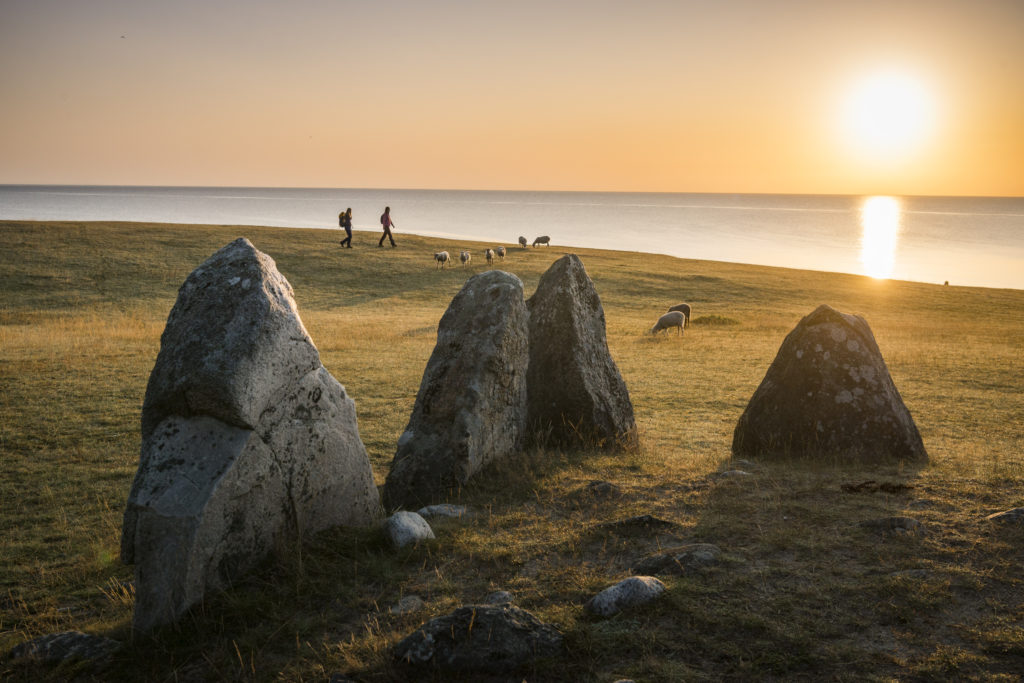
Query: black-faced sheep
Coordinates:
[673,319]
[489,255]
[500,251]
[543,239]
[684,309]
[522,242]
[465,257]
[442,258]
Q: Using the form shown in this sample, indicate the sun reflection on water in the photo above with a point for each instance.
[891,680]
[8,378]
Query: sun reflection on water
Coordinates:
[880,230]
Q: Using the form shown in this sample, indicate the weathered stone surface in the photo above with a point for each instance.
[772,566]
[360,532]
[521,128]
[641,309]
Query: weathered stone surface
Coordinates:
[406,527]
[407,605]
[680,560]
[486,638]
[828,393]
[55,648]
[247,441]
[498,597]
[636,590]
[576,396]
[471,405]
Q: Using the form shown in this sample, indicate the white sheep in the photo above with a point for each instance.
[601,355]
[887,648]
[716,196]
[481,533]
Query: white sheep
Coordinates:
[672,319]
[442,258]
[543,239]
[500,251]
[465,257]
[522,242]
[489,255]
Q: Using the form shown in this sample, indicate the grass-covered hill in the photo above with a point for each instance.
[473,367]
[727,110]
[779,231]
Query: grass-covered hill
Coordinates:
[803,592]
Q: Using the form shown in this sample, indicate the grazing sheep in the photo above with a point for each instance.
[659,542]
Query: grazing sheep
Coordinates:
[442,258]
[684,309]
[465,257]
[522,242]
[500,251]
[672,319]
[543,239]
[489,255]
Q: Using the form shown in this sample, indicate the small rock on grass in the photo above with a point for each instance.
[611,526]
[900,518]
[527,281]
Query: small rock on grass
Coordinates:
[409,603]
[636,590]
[406,527]
[895,526]
[67,646]
[498,598]
[680,560]
[1014,516]
[443,510]
[490,638]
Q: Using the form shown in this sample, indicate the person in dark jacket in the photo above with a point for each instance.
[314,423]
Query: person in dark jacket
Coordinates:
[345,221]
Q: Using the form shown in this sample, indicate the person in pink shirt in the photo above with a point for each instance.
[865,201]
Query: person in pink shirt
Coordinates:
[386,223]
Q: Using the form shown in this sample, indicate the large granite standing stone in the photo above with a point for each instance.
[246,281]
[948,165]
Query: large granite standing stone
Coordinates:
[471,405]
[248,443]
[828,393]
[575,394]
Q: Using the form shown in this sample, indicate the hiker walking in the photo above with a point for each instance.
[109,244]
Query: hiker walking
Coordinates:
[345,221]
[386,223]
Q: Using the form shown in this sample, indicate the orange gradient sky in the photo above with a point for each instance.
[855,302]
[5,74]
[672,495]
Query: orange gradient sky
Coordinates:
[673,96]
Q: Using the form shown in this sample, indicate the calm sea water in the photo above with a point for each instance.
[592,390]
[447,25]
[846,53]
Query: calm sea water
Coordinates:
[967,241]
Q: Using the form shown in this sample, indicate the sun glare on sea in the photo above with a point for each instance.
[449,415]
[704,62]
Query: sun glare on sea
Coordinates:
[888,115]
[880,230]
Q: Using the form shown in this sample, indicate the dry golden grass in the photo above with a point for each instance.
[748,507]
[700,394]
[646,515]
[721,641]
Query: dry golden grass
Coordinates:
[804,591]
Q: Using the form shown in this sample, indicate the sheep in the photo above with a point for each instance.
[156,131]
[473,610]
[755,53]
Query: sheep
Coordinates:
[543,239]
[489,255]
[465,257]
[500,251]
[522,242]
[442,258]
[671,319]
[684,309]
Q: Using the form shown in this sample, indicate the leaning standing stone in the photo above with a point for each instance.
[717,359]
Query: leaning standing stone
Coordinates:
[576,395]
[828,393]
[471,405]
[248,442]
[631,592]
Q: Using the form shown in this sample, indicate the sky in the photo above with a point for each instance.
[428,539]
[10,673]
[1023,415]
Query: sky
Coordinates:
[920,97]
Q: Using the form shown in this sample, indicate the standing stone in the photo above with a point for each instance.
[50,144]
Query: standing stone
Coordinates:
[576,396]
[828,393]
[248,443]
[471,405]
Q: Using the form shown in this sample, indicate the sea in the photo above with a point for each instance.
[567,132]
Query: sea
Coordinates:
[965,241]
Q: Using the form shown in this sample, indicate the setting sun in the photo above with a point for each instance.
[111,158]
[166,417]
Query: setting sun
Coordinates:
[889,115]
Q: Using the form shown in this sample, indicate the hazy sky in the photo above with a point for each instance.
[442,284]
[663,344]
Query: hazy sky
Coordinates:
[646,95]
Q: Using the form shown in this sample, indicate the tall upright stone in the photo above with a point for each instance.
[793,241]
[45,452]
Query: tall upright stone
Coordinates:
[248,442]
[828,394]
[471,405]
[575,393]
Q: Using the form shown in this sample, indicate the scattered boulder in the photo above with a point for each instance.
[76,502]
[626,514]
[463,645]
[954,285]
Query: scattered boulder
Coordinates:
[681,560]
[406,527]
[828,393]
[408,604]
[636,590]
[248,443]
[577,398]
[604,490]
[471,405]
[443,510]
[56,648]
[1014,516]
[498,598]
[487,638]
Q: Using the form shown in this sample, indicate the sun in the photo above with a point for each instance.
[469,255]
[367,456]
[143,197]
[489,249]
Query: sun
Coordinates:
[888,115]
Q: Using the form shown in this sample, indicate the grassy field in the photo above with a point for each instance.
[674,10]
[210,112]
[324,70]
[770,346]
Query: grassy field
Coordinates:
[804,591]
